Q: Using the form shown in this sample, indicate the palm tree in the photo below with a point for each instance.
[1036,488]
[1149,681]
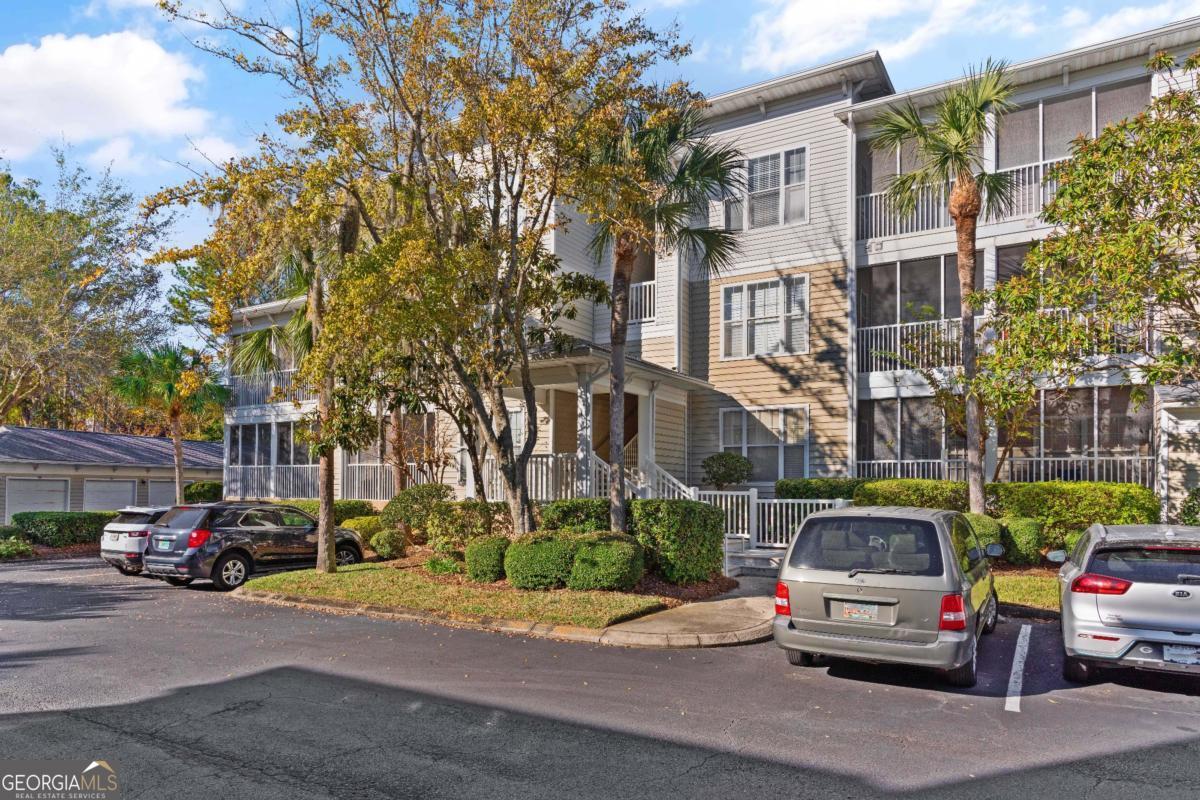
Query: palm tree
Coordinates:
[174,381]
[948,146]
[660,171]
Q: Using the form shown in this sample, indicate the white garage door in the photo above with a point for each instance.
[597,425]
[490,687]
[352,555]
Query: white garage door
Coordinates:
[162,493]
[31,494]
[108,495]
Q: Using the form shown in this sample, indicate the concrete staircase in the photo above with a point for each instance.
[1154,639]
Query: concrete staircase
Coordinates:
[740,559]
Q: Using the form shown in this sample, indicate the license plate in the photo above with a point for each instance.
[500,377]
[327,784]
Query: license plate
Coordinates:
[112,537]
[1180,654]
[163,544]
[866,612]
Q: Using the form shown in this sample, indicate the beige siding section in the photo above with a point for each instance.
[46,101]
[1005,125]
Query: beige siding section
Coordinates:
[816,379]
[659,350]
[670,438]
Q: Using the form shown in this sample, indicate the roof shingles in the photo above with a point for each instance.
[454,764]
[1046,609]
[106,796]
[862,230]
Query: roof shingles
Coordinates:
[33,445]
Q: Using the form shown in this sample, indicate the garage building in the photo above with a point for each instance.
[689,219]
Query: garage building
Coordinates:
[55,470]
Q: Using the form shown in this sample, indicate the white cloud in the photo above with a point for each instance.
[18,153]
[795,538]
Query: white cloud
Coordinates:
[94,88]
[1083,28]
[120,155]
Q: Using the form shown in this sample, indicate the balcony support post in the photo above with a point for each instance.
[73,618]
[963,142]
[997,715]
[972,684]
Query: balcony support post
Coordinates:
[583,434]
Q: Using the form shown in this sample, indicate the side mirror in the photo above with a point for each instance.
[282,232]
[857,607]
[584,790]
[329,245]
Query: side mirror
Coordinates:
[1057,556]
[973,555]
[994,550]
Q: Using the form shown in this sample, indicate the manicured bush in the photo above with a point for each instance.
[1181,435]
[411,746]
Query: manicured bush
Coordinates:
[726,469]
[444,565]
[9,531]
[683,539]
[13,546]
[485,558]
[1189,510]
[63,528]
[412,507]
[818,488]
[950,495]
[389,543]
[1024,539]
[540,560]
[366,527]
[449,526]
[203,492]
[1069,506]
[611,561]
[988,529]
[582,514]
[342,509]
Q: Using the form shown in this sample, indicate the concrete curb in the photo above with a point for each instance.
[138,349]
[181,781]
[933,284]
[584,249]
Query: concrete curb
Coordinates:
[1027,612]
[567,633]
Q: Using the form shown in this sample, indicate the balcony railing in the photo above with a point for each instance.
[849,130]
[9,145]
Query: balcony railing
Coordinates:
[1109,468]
[911,345]
[376,481]
[269,387]
[642,299]
[280,481]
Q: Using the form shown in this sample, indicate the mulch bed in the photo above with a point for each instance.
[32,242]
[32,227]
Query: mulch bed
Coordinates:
[70,551]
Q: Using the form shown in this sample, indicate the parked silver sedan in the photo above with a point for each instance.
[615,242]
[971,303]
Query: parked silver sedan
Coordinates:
[1131,598]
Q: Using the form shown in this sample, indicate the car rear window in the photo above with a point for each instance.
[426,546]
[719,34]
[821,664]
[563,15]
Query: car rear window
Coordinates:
[1147,564]
[846,543]
[183,517]
[130,518]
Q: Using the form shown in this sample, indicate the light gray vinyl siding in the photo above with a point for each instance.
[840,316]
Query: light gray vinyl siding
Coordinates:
[571,240]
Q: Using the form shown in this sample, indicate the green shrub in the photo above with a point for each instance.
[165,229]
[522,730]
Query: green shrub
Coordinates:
[342,509]
[726,469]
[485,558]
[540,560]
[443,565]
[988,529]
[412,507]
[1024,538]
[582,514]
[950,495]
[63,528]
[818,488]
[13,546]
[203,492]
[389,543]
[450,526]
[1189,510]
[1072,539]
[1069,506]
[9,531]
[611,561]
[366,527]
[683,539]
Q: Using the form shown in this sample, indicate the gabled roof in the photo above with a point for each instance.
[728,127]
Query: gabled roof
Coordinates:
[47,446]
[867,69]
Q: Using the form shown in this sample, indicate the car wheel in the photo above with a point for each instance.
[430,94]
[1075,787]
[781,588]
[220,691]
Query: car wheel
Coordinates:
[993,614]
[230,571]
[798,658]
[345,555]
[174,581]
[964,676]
[1076,670]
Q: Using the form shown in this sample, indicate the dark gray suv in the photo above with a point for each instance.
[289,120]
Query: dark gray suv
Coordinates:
[228,541]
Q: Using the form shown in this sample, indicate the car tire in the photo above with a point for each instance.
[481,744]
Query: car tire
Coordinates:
[174,581]
[344,555]
[230,571]
[993,612]
[798,658]
[965,676]
[1076,670]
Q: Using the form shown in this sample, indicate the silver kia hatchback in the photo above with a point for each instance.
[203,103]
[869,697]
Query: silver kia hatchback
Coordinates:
[1131,598]
[887,585]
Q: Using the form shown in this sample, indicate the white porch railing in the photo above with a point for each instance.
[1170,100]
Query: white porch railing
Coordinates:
[763,521]
[376,481]
[642,299]
[911,345]
[665,485]
[1112,469]
[930,469]
[269,387]
[279,481]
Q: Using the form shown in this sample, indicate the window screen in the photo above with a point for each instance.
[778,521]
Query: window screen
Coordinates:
[795,181]
[1010,261]
[762,184]
[1125,427]
[1017,138]
[1124,101]
[875,168]
[1068,426]
[953,307]
[877,294]
[1064,119]
[920,289]
[877,430]
[920,429]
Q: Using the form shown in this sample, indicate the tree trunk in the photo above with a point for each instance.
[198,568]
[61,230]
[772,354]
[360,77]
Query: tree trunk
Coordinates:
[326,559]
[965,204]
[618,330]
[177,442]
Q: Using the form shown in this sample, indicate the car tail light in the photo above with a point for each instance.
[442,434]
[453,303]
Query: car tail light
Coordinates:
[954,613]
[1099,584]
[198,537]
[783,602]
[138,534]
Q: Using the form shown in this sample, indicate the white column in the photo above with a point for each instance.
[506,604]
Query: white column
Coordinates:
[646,425]
[583,434]
[274,459]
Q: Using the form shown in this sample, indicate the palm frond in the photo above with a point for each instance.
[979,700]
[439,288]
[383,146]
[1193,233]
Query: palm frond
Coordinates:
[998,193]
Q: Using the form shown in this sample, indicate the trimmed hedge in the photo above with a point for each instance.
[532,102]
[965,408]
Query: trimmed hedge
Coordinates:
[449,526]
[580,514]
[1069,506]
[915,492]
[412,506]
[366,527]
[819,488]
[485,558]
[1189,509]
[611,561]
[540,560]
[988,529]
[1024,539]
[342,509]
[683,539]
[203,492]
[389,543]
[63,528]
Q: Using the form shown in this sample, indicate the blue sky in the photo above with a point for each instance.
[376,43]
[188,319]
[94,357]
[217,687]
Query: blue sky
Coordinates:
[124,88]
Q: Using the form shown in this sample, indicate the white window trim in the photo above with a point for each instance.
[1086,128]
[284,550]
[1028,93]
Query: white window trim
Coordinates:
[783,315]
[744,196]
[745,411]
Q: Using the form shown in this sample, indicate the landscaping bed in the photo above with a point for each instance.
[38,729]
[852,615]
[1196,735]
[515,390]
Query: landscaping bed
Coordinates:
[1034,588]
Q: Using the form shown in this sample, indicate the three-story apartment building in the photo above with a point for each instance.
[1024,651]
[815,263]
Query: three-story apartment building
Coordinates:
[788,356]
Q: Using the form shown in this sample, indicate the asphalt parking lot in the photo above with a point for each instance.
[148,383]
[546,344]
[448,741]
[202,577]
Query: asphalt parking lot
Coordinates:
[191,693]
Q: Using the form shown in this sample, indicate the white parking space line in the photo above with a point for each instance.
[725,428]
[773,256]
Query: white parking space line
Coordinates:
[1017,676]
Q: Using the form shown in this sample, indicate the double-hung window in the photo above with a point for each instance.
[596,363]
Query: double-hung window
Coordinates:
[765,317]
[774,439]
[776,191]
